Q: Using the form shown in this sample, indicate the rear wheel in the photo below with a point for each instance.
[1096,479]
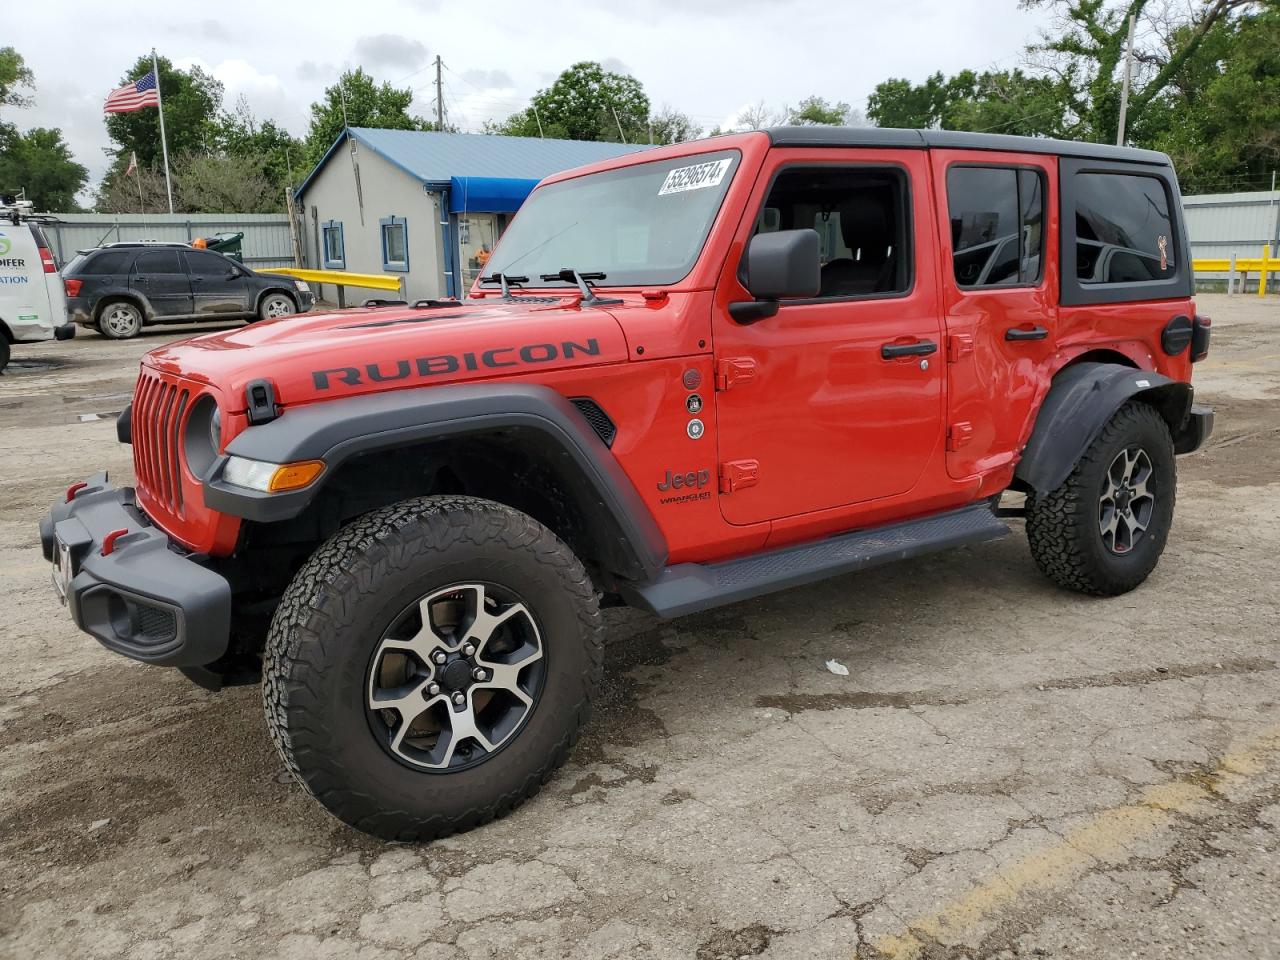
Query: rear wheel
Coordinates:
[120,321]
[1103,530]
[431,665]
[5,352]
[275,305]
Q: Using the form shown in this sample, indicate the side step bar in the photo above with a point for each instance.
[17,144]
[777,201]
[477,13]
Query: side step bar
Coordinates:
[690,587]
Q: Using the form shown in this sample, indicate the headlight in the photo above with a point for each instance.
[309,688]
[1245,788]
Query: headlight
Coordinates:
[270,477]
[302,286]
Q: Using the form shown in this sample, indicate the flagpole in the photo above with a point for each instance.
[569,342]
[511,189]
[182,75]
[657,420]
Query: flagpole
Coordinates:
[164,145]
[137,172]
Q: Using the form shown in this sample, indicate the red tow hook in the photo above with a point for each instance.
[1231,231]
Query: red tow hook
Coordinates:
[109,541]
[74,489]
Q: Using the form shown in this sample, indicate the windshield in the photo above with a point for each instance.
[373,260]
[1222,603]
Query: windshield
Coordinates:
[638,225]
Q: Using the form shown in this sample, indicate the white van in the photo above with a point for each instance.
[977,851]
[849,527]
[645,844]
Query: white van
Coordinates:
[33,305]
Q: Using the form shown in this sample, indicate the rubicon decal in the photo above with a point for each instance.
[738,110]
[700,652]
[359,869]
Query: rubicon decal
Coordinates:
[444,363]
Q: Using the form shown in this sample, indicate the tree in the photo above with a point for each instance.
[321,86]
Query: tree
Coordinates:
[224,184]
[756,117]
[14,74]
[367,104]
[142,191]
[39,163]
[280,157]
[671,126]
[816,111]
[191,98]
[586,102]
[1006,101]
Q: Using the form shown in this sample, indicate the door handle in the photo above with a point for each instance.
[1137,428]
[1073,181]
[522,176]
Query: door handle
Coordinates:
[141,279]
[1017,333]
[920,348]
[197,279]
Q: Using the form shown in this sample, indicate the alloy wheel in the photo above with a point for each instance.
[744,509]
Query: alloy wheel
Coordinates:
[278,307]
[1127,501]
[455,677]
[121,320]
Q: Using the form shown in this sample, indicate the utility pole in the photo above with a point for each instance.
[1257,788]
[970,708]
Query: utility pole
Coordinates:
[439,96]
[1124,90]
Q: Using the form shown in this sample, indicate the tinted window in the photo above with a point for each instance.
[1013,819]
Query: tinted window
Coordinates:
[159,261]
[207,264]
[997,225]
[103,262]
[860,216]
[1123,230]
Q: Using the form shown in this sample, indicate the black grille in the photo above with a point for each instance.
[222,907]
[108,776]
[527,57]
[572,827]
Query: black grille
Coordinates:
[153,626]
[599,420]
[158,410]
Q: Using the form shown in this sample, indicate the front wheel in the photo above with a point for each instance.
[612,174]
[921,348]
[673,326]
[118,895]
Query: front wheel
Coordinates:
[1103,530]
[431,665]
[275,305]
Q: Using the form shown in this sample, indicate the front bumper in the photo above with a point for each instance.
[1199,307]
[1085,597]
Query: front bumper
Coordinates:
[1195,432]
[147,598]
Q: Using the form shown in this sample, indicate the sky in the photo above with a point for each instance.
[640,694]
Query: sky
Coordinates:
[706,58]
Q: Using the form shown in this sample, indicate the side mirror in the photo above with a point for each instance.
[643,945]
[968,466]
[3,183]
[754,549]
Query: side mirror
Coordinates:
[783,265]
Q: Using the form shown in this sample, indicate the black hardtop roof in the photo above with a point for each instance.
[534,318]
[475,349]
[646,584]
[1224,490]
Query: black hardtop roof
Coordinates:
[891,137]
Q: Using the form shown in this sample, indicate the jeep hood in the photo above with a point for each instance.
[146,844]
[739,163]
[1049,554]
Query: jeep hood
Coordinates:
[321,356]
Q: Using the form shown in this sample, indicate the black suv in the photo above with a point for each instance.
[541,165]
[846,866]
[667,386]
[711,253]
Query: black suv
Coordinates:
[117,288]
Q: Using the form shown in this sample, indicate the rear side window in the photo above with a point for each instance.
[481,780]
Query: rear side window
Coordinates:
[1124,233]
[160,261]
[103,262]
[997,225]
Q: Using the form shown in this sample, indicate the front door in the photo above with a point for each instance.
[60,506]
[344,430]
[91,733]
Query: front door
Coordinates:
[838,399]
[218,287]
[158,275]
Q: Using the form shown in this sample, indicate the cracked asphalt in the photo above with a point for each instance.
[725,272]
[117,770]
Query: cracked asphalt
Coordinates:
[1008,770]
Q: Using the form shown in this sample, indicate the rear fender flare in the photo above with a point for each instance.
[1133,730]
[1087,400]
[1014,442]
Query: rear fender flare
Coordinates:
[1081,400]
[337,430]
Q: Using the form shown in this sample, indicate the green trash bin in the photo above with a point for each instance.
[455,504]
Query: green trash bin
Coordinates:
[230,244]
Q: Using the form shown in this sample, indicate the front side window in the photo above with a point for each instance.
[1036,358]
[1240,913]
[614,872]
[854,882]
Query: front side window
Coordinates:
[335,256]
[1124,233]
[395,243]
[202,263]
[635,225]
[860,214]
[997,225]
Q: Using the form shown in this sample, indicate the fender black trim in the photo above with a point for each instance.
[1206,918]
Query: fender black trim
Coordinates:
[336,430]
[1080,402]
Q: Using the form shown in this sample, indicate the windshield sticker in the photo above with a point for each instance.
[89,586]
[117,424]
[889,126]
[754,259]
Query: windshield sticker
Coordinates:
[696,177]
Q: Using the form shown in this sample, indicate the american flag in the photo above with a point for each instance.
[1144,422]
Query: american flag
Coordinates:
[134,96]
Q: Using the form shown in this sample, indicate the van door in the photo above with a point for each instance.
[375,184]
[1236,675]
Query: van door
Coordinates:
[159,277]
[837,399]
[997,214]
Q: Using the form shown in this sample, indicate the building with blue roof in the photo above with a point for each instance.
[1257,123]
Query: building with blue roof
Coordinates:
[427,205]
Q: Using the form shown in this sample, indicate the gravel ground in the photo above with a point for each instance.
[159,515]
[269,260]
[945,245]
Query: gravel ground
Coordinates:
[1009,770]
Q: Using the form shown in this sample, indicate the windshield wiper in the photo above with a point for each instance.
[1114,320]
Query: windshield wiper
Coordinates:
[506,281]
[584,281]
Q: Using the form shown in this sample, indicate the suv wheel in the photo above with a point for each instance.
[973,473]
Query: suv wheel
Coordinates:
[275,305]
[5,352]
[120,321]
[1103,530]
[431,665]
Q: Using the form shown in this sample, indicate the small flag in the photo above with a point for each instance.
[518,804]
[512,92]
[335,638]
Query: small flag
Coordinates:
[133,162]
[134,96]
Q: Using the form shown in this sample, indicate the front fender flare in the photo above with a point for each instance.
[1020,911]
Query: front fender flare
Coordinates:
[1081,400]
[336,430]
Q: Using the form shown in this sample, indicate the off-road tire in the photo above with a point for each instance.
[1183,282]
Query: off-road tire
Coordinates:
[120,330]
[275,305]
[1063,526]
[323,635]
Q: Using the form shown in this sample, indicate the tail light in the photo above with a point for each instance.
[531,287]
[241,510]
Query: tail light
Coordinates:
[73,287]
[1200,338]
[46,258]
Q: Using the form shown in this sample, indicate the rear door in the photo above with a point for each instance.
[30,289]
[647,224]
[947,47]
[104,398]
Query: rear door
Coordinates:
[218,287]
[998,224]
[159,276]
[834,400]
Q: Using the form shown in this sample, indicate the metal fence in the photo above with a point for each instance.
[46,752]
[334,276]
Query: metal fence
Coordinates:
[266,235]
[1226,225]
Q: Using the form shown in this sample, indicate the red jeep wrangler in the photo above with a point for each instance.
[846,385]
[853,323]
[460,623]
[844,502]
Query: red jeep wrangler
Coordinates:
[693,376]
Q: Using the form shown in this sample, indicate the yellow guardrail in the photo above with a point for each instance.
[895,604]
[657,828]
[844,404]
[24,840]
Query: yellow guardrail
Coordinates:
[344,278]
[1241,267]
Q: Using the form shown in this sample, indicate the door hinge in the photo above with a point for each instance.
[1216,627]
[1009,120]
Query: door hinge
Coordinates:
[958,345]
[958,434]
[738,475]
[734,371]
